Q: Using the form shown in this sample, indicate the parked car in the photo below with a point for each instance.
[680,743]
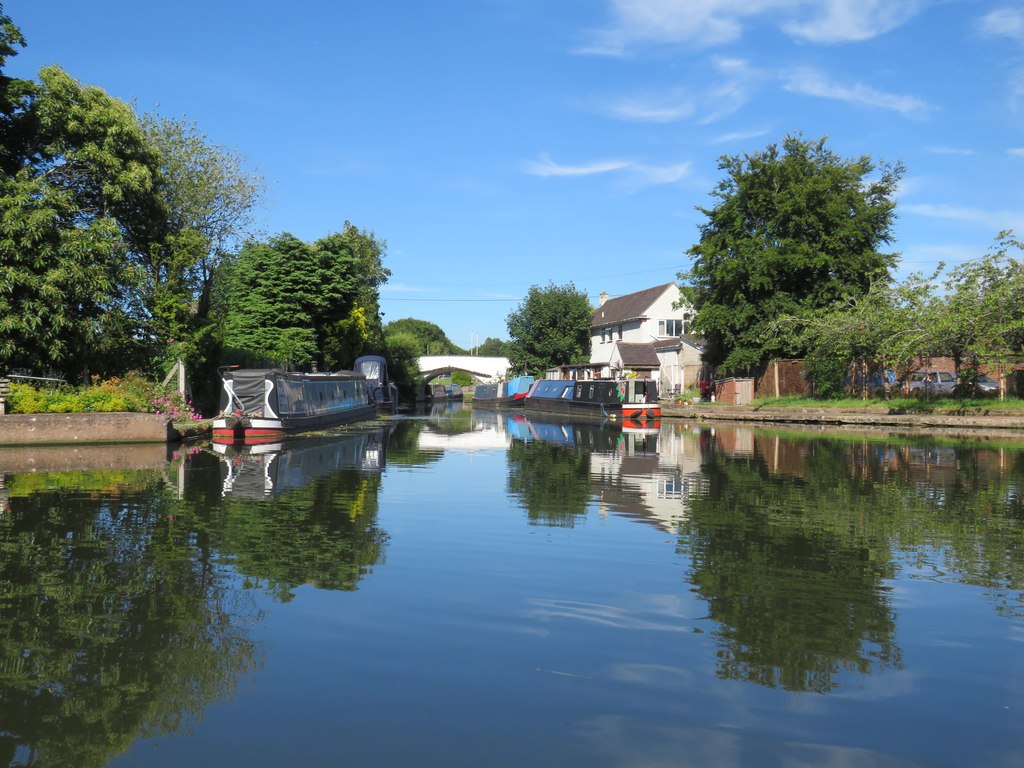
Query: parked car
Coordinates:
[932,382]
[986,386]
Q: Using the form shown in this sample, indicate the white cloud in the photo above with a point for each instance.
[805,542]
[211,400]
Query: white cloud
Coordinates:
[728,138]
[950,151]
[633,176]
[1016,152]
[706,23]
[668,110]
[996,221]
[1004,22]
[840,21]
[813,83]
[547,167]
[653,175]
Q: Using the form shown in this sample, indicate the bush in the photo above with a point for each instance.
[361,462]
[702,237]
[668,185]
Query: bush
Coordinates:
[25,398]
[132,393]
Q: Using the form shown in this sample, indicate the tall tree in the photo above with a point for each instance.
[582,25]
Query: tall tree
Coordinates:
[302,304]
[550,327]
[982,318]
[271,292]
[72,216]
[15,100]
[794,229]
[427,338]
[210,196]
[349,323]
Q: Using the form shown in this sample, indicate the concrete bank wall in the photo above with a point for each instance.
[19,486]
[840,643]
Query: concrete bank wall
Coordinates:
[41,428]
[869,417]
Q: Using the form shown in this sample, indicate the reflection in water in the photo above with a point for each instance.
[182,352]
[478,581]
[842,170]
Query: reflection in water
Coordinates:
[115,622]
[119,618]
[795,541]
[260,471]
[303,512]
[558,469]
[680,593]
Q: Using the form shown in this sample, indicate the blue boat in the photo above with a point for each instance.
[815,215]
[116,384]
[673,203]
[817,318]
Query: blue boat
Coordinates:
[628,400]
[508,394]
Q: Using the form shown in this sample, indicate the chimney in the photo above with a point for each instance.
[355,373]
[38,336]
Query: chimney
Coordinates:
[603,297]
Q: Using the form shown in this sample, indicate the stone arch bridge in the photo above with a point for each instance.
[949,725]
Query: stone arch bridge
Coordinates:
[480,368]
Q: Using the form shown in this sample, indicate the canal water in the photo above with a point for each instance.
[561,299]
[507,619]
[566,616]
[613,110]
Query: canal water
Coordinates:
[483,589]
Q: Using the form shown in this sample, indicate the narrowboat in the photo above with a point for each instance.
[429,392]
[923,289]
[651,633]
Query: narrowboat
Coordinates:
[503,394]
[263,405]
[383,391]
[439,393]
[627,400]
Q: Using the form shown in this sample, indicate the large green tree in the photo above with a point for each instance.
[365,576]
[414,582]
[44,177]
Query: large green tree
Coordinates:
[75,215]
[210,196]
[982,312]
[301,304]
[425,337]
[550,327]
[794,228]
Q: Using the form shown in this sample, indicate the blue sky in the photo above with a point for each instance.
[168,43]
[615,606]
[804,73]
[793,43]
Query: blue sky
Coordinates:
[499,144]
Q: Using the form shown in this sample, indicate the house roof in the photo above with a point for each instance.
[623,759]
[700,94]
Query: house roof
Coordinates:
[632,306]
[638,355]
[677,341]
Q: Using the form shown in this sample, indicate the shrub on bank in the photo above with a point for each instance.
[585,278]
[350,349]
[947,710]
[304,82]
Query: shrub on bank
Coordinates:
[132,393]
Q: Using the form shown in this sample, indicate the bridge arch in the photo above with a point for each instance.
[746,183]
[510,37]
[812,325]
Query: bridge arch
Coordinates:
[480,368]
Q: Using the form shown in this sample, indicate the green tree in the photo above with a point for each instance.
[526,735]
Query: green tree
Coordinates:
[492,347]
[982,318]
[794,229]
[74,218]
[302,304]
[15,100]
[271,290]
[550,327]
[861,338]
[210,196]
[348,322]
[428,337]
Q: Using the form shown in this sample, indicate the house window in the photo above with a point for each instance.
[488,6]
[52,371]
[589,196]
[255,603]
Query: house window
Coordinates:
[675,327]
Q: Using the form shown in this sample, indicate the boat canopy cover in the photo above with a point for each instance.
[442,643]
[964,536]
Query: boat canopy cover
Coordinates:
[553,389]
[520,385]
[248,388]
[372,366]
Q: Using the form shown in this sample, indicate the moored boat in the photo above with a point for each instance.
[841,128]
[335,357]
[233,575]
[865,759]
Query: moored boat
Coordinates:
[263,405]
[511,393]
[439,393]
[383,391]
[632,400]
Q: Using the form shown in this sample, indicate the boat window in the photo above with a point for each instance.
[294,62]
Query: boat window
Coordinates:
[370,368]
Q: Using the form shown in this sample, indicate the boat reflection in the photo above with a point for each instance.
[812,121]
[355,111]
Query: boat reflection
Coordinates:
[626,438]
[268,471]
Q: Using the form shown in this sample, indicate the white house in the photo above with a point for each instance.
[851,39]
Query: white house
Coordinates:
[645,334]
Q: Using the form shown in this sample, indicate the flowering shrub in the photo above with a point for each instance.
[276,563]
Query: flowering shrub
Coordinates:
[131,392]
[175,405]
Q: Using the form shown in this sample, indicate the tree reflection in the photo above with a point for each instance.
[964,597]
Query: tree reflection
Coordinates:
[114,624]
[793,540]
[552,481]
